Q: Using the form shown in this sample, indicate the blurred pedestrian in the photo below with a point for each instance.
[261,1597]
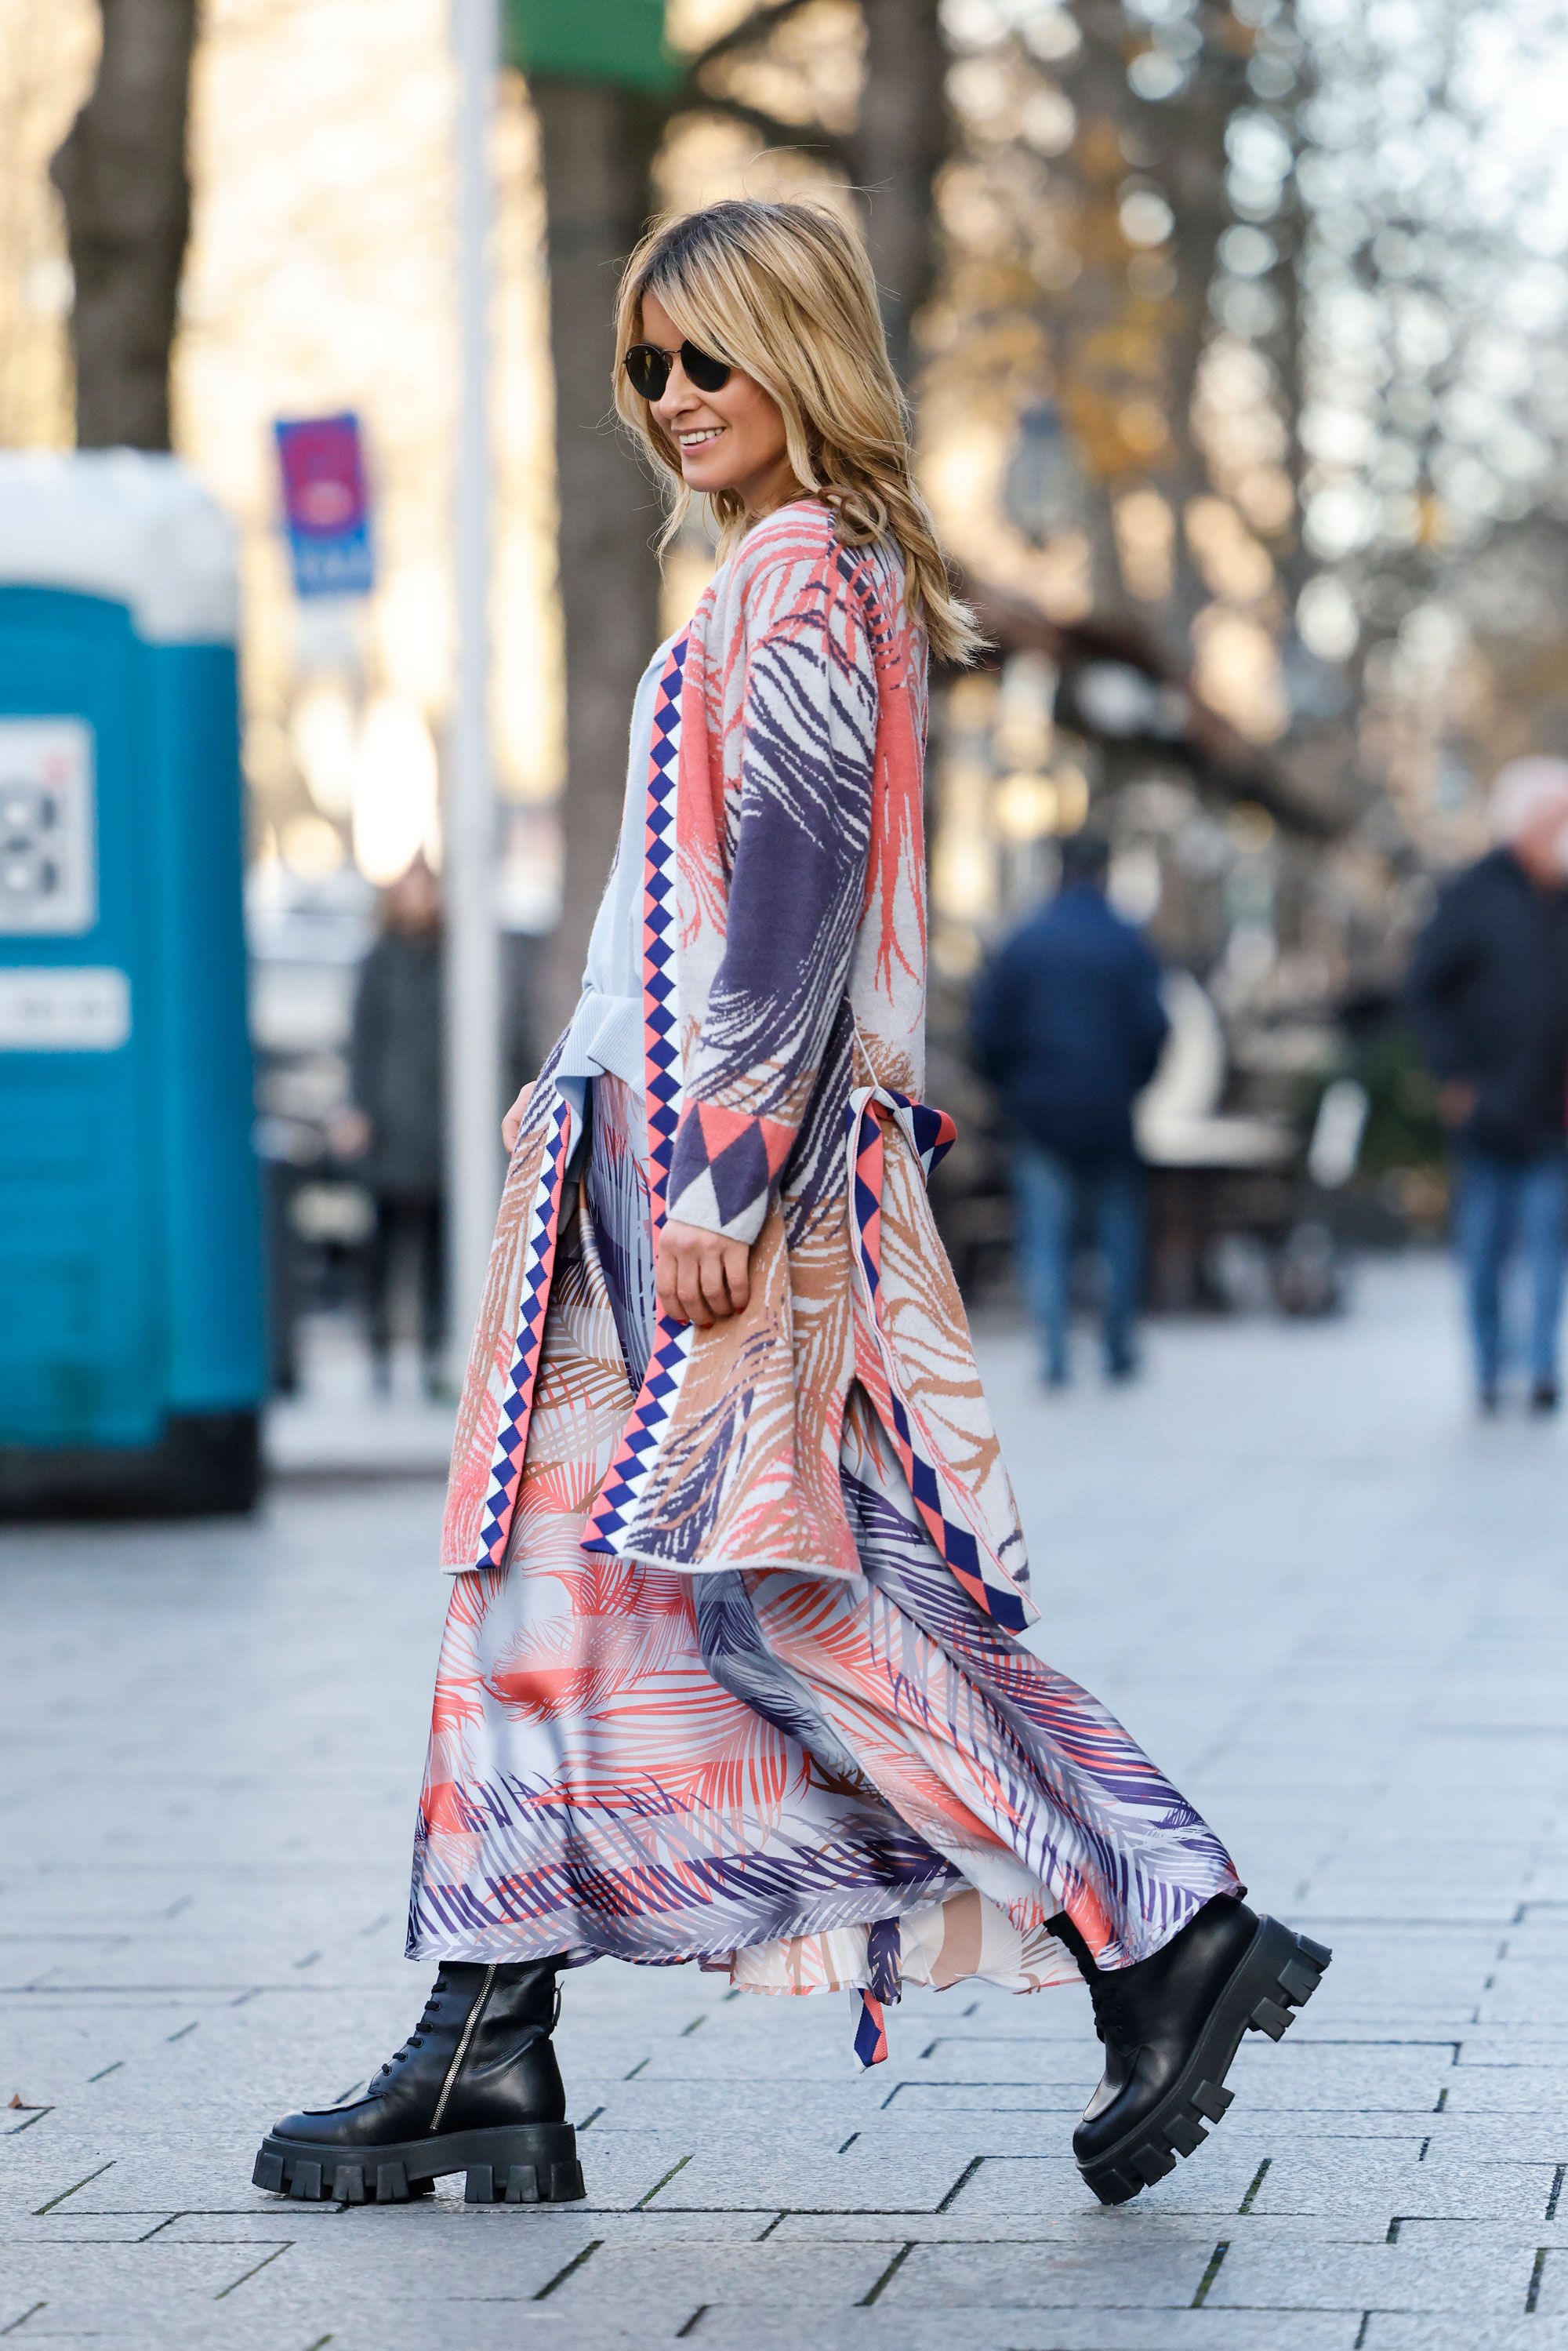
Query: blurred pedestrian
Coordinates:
[393,1127]
[1489,1000]
[731,1673]
[1068,1027]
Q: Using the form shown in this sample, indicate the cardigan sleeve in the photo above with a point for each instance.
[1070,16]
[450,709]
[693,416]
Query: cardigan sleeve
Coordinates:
[796,893]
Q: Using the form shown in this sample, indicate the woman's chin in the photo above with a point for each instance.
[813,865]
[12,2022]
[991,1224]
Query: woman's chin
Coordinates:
[706,480]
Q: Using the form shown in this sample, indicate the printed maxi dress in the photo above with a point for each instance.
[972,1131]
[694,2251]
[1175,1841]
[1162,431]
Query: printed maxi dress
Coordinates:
[845,1776]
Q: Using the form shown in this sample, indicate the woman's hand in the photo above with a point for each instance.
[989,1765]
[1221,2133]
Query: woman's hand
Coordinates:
[701,1278]
[513,1120]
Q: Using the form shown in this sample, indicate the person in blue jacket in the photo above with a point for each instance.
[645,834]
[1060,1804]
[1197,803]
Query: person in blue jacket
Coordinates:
[1487,996]
[1068,1026]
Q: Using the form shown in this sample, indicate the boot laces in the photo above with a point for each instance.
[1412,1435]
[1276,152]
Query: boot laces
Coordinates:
[416,2038]
[1112,2026]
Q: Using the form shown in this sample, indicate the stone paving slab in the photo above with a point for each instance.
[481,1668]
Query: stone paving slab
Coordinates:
[1397,2331]
[1164,2275]
[1334,1609]
[898,2327]
[1355,2182]
[1527,2090]
[1456,2274]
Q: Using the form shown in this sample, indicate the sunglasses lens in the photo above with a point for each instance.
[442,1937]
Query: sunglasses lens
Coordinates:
[707,374]
[649,371]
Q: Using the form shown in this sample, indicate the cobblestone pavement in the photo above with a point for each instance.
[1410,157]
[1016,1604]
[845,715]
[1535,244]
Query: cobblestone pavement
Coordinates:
[1335,1609]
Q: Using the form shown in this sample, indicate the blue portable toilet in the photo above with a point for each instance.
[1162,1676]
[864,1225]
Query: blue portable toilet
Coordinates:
[131,1313]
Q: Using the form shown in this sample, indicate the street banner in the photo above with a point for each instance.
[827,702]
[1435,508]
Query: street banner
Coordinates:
[326,505]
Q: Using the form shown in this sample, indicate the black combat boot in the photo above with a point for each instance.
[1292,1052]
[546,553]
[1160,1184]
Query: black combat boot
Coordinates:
[1171,2026]
[475,2088]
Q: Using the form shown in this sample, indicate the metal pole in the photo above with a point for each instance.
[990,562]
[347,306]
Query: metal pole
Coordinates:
[473,969]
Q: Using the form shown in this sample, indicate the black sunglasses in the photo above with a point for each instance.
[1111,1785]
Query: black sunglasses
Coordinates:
[649,369]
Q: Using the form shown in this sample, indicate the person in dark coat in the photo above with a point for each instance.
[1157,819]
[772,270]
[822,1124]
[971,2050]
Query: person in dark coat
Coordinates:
[395,1127]
[1068,1026]
[1488,995]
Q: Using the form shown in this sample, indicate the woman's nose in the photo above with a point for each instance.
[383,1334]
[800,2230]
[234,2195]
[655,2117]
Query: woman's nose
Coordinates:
[677,395]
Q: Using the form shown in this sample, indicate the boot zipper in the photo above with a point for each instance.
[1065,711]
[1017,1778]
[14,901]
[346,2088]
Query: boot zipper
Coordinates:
[468,2034]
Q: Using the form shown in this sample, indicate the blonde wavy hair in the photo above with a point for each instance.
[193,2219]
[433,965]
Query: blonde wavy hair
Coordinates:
[785,292]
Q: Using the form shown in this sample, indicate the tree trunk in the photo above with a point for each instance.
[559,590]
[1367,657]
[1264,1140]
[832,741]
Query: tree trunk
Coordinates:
[122,178]
[901,141]
[598,146]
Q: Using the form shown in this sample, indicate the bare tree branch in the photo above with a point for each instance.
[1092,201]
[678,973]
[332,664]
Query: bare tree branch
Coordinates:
[758,26]
[810,138]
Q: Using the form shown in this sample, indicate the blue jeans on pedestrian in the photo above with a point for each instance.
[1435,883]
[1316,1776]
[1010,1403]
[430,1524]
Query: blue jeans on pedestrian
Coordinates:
[1502,1206]
[1052,1198]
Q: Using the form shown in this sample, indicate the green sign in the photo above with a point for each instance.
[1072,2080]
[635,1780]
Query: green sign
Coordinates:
[619,41]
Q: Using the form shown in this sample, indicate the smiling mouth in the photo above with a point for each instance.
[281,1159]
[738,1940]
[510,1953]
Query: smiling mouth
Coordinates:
[700,440]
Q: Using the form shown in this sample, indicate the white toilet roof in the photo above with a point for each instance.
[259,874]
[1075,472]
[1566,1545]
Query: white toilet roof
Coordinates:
[120,523]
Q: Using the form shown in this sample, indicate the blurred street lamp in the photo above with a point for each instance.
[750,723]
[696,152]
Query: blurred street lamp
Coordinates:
[473,966]
[1042,490]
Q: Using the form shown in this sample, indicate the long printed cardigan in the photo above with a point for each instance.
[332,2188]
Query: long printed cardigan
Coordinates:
[784,1001]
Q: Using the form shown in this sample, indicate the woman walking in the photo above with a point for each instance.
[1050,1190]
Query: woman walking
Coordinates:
[731,1671]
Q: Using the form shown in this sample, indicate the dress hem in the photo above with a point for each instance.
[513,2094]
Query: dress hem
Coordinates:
[515,1945]
[536,1938]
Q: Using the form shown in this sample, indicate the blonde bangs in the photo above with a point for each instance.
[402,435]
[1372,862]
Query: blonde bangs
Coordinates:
[785,293]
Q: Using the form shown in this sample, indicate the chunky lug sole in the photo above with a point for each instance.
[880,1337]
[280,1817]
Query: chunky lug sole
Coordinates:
[534,2163]
[1277,1974]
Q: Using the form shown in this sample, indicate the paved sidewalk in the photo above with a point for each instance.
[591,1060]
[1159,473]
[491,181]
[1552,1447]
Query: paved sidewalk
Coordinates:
[1334,1607]
[337,1429]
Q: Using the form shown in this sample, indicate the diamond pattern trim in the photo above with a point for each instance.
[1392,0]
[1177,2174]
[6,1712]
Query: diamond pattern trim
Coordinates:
[538,1263]
[617,1497]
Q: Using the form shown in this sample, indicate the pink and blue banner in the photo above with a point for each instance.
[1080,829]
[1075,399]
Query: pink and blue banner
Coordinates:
[326,504]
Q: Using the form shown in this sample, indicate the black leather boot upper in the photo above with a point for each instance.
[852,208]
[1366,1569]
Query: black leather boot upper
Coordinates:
[479,2059]
[1152,2015]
